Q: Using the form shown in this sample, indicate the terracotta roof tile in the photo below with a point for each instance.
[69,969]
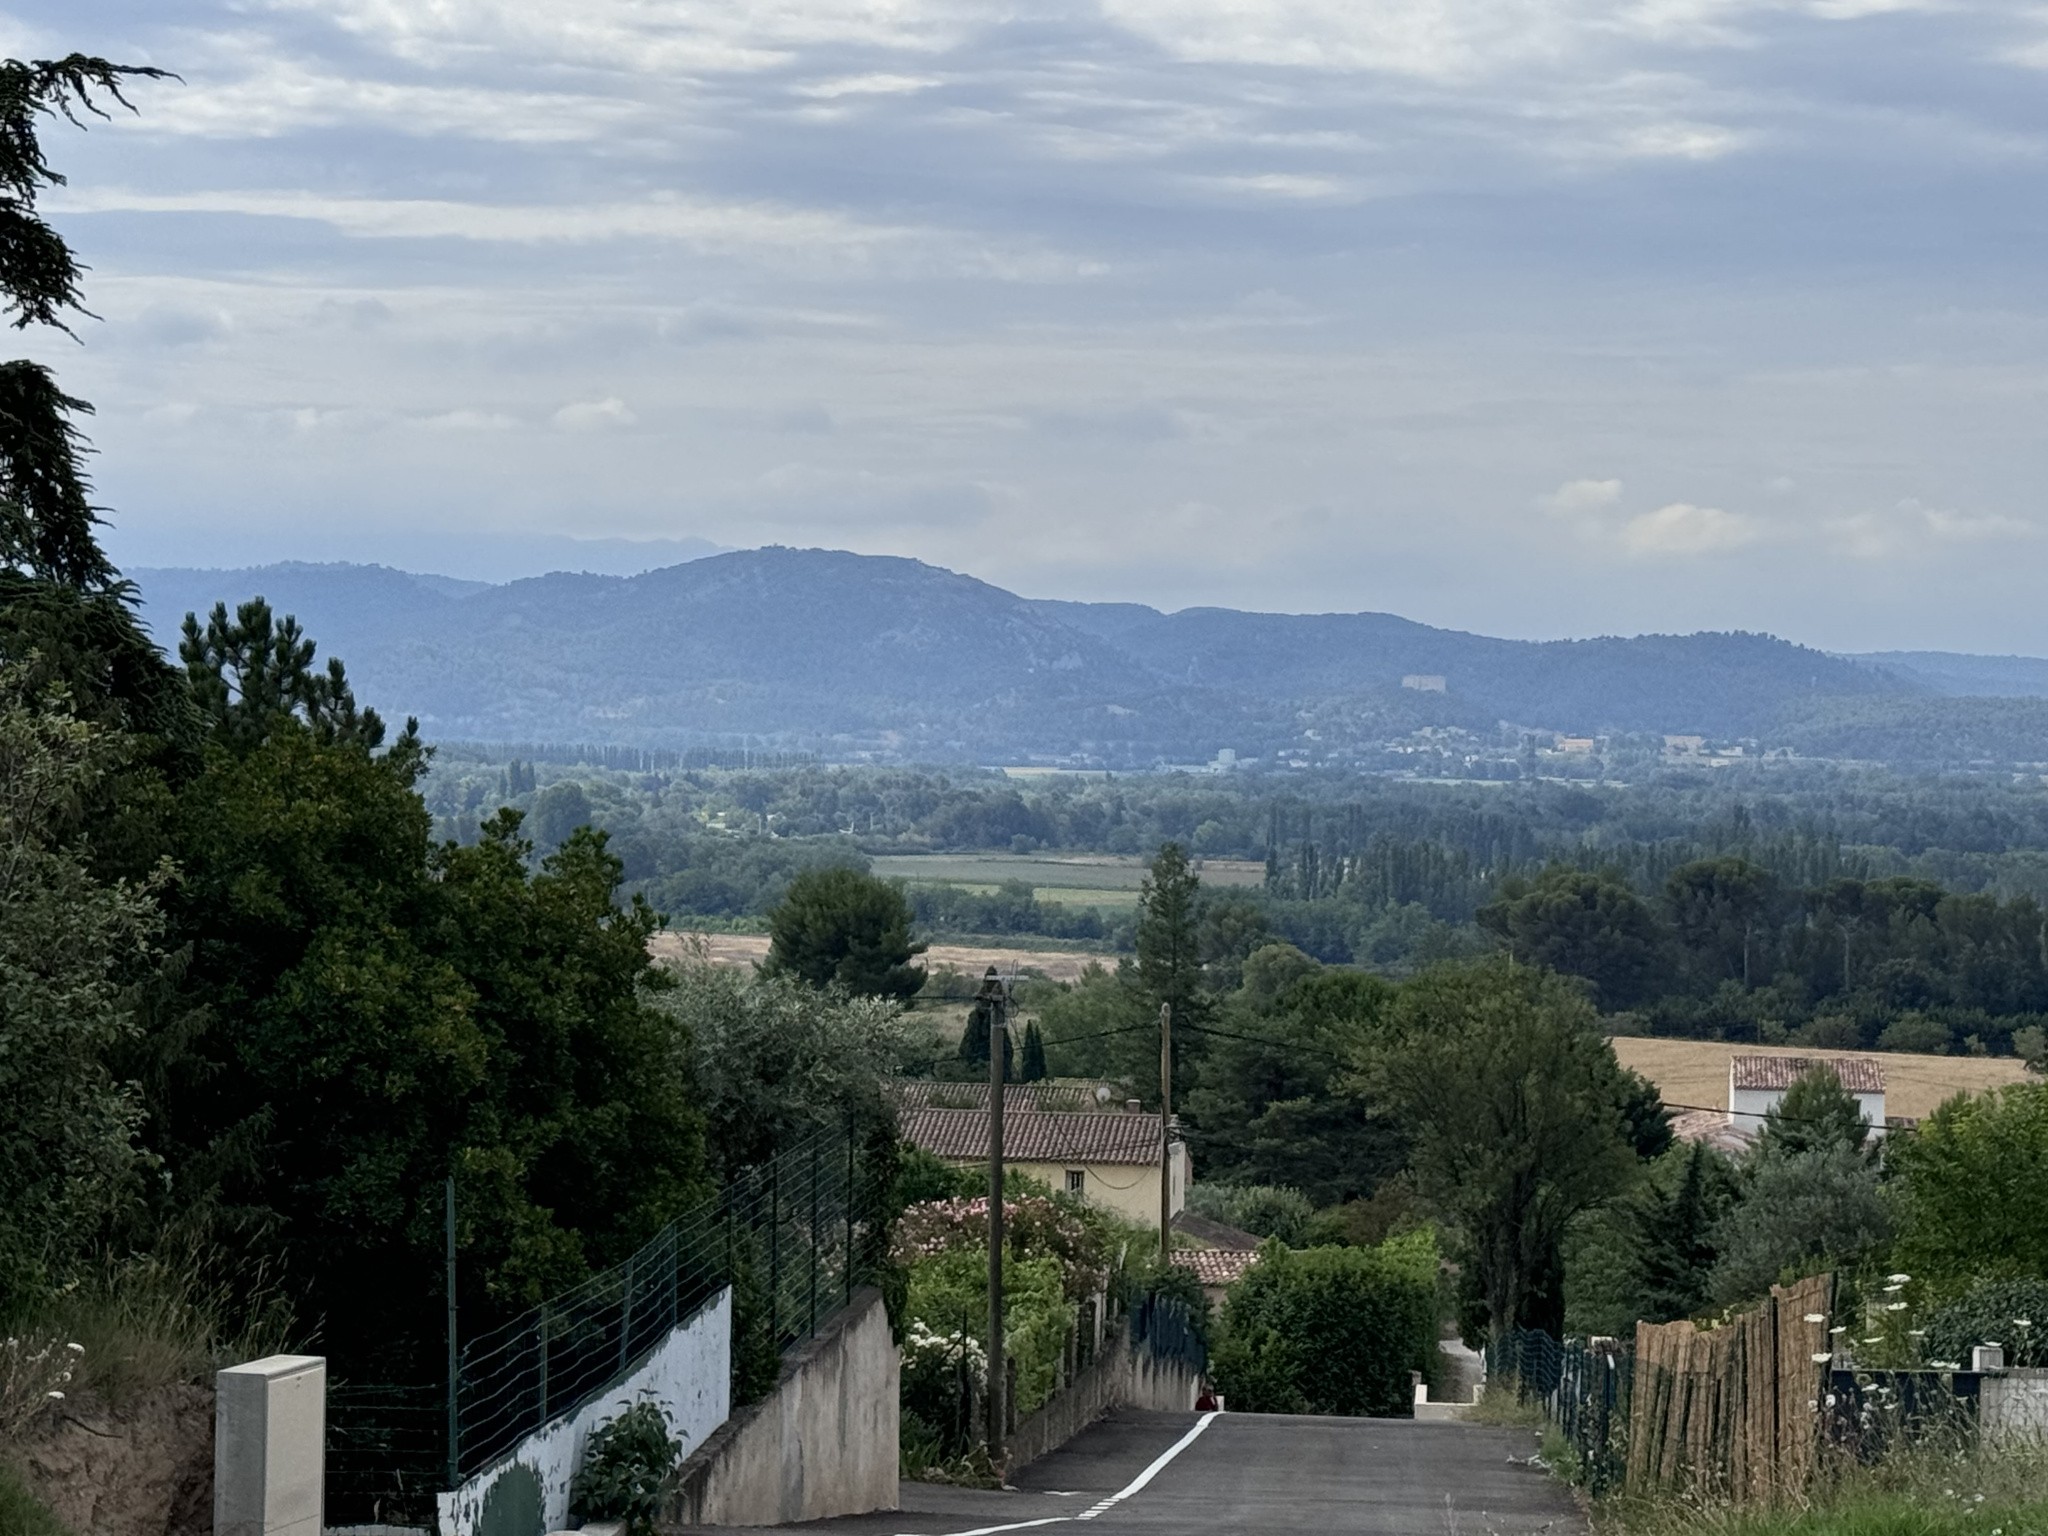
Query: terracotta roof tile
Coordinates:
[1715,1127]
[1217,1266]
[1081,1096]
[1859,1074]
[1036,1136]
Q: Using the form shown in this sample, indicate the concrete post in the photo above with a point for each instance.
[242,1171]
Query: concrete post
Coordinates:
[270,1447]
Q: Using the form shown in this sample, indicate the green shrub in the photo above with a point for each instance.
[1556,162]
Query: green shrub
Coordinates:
[949,1297]
[2009,1312]
[1331,1330]
[1264,1210]
[625,1469]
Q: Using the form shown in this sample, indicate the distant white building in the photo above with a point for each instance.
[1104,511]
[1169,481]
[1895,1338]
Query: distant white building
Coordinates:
[1424,682]
[1757,1083]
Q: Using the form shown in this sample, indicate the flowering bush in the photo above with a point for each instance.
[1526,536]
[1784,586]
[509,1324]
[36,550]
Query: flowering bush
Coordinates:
[1034,1225]
[33,1375]
[949,1299]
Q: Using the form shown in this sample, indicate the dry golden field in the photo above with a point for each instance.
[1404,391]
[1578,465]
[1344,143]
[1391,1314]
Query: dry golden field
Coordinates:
[969,959]
[1695,1072]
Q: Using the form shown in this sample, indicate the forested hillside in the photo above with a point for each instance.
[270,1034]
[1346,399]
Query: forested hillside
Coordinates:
[852,656]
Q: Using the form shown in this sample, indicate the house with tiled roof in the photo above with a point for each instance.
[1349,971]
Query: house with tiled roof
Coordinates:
[1111,1160]
[1756,1084]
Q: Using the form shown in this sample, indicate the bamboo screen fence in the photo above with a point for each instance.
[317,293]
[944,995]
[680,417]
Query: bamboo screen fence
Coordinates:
[1733,1410]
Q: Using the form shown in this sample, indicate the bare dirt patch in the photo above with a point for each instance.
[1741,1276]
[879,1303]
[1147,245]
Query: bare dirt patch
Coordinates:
[970,959]
[142,1469]
[1695,1072]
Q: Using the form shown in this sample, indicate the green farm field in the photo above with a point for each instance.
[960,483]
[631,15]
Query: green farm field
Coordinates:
[1077,880]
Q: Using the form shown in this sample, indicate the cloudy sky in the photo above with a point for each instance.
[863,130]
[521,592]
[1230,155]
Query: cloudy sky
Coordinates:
[1537,317]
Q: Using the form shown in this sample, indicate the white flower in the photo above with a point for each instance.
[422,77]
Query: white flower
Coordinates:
[76,1349]
[1816,1317]
[1898,1279]
[1895,1306]
[1822,1358]
[55,1397]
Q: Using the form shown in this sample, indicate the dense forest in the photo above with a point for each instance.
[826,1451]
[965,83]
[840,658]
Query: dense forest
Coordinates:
[1829,905]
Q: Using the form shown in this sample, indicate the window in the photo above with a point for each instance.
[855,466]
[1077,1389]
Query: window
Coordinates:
[1077,1181]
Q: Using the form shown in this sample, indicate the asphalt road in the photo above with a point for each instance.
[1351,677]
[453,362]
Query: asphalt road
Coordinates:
[1264,1474]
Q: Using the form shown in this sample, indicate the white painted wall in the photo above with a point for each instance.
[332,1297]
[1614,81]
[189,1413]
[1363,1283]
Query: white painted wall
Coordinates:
[689,1373]
[1748,1106]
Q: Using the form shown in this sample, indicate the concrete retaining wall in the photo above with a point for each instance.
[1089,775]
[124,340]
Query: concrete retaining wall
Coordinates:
[1120,1377]
[823,1443]
[689,1373]
[2013,1406]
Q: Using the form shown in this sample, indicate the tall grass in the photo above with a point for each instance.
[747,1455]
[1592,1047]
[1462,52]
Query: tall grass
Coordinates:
[175,1314]
[1945,1488]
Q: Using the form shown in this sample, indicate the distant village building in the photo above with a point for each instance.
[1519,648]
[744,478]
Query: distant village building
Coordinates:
[1221,1255]
[1756,1084]
[1577,744]
[1110,1160]
[1424,682]
[1684,746]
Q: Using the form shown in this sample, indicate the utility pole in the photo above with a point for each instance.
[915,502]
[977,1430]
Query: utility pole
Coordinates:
[1166,1133]
[454,1356]
[994,1001]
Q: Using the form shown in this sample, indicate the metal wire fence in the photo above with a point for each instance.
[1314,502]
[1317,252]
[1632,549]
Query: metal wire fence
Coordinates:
[387,1454]
[793,1237]
[1161,1326]
[1584,1388]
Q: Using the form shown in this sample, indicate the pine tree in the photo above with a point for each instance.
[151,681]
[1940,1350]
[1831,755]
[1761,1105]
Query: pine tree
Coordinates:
[1675,1250]
[1816,1112]
[1034,1055]
[61,600]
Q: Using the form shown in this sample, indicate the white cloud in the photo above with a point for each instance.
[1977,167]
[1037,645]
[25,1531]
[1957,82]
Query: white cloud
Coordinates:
[1967,528]
[1577,500]
[595,415]
[867,85]
[469,419]
[1682,530]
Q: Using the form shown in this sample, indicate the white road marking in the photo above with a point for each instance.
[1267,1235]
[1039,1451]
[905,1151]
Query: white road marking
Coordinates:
[1150,1472]
[1136,1484]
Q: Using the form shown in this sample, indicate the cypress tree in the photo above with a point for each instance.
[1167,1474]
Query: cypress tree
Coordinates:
[1034,1055]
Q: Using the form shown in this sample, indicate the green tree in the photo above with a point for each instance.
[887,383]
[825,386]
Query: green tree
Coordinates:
[1581,924]
[1971,1186]
[770,1059]
[974,1038]
[1034,1069]
[1274,1101]
[1169,937]
[1800,1212]
[843,926]
[1512,1102]
[66,617]
[1675,1221]
[71,946]
[1720,910]
[250,673]
[1816,1112]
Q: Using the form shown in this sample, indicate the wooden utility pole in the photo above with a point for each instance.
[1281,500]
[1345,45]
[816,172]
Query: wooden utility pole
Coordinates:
[1166,1133]
[993,1000]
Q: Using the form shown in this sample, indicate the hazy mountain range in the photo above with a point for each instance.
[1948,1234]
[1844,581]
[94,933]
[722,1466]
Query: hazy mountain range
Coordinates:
[848,654]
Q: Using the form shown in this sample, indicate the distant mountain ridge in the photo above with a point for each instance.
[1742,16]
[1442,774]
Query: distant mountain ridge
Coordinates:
[874,655]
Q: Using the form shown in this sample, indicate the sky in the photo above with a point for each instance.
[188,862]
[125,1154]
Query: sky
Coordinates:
[1533,317]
